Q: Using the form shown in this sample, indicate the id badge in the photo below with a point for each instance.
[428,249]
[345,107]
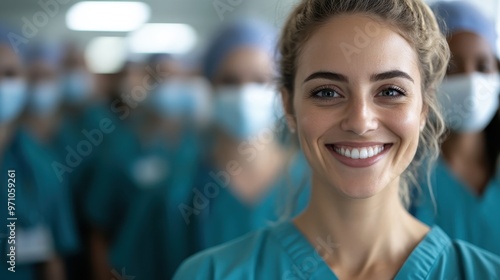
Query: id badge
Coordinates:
[34,244]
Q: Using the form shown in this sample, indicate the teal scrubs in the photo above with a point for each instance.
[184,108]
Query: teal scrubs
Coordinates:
[41,202]
[157,238]
[71,135]
[282,252]
[458,211]
[120,179]
[154,239]
[226,217]
[80,175]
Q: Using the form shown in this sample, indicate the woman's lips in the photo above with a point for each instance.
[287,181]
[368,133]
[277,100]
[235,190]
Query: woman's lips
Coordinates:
[359,154]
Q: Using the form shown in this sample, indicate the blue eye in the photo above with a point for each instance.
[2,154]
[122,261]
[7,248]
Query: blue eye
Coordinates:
[392,92]
[326,93]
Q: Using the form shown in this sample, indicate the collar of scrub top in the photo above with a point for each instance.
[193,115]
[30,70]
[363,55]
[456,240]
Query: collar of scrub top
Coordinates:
[419,264]
[462,16]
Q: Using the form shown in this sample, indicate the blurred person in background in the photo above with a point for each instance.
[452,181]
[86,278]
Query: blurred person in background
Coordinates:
[246,174]
[44,229]
[147,173]
[78,85]
[103,186]
[465,198]
[43,111]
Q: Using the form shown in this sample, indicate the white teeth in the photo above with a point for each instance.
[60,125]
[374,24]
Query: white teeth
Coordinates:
[370,152]
[360,153]
[355,154]
[363,153]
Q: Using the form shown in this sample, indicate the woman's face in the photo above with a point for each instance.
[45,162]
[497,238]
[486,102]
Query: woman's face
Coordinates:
[471,53]
[357,105]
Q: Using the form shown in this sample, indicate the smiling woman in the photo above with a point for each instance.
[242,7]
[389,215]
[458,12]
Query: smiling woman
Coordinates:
[363,107]
[374,102]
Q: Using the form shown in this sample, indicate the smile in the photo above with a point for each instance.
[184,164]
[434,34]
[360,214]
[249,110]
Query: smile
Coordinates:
[358,154]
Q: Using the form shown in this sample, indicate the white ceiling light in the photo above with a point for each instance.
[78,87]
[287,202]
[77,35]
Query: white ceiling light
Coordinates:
[107,16]
[172,38]
[105,55]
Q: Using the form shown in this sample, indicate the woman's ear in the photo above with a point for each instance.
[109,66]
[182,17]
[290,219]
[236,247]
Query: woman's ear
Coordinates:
[287,101]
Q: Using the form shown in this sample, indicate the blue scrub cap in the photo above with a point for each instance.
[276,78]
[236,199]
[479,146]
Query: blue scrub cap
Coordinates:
[9,37]
[244,33]
[158,57]
[50,53]
[462,16]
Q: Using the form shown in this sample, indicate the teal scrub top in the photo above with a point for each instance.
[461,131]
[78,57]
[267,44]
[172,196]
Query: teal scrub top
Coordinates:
[120,179]
[282,252]
[41,200]
[226,217]
[71,135]
[154,239]
[458,211]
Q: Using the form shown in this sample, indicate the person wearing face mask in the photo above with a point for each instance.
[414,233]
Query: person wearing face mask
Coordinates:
[43,119]
[44,226]
[132,202]
[179,103]
[76,81]
[246,175]
[465,197]
[180,98]
[43,111]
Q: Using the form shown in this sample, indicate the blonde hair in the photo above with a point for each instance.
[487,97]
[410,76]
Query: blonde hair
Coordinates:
[415,22]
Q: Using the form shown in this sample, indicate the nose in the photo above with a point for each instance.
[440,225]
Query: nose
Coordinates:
[359,116]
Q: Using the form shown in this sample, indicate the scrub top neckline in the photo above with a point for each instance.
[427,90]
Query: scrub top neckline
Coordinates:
[310,265]
[480,198]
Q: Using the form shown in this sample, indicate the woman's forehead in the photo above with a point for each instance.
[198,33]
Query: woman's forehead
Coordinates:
[356,45]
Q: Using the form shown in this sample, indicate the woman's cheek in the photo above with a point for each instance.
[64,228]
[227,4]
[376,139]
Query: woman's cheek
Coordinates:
[406,125]
[312,126]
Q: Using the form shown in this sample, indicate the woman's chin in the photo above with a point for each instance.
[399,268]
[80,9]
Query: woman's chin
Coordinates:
[359,192]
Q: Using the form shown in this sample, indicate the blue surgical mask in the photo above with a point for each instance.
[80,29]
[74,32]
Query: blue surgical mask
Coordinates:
[245,111]
[44,98]
[12,99]
[186,98]
[77,86]
[469,102]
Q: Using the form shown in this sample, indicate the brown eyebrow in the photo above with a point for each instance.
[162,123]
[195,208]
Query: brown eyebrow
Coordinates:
[375,77]
[390,75]
[328,76]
